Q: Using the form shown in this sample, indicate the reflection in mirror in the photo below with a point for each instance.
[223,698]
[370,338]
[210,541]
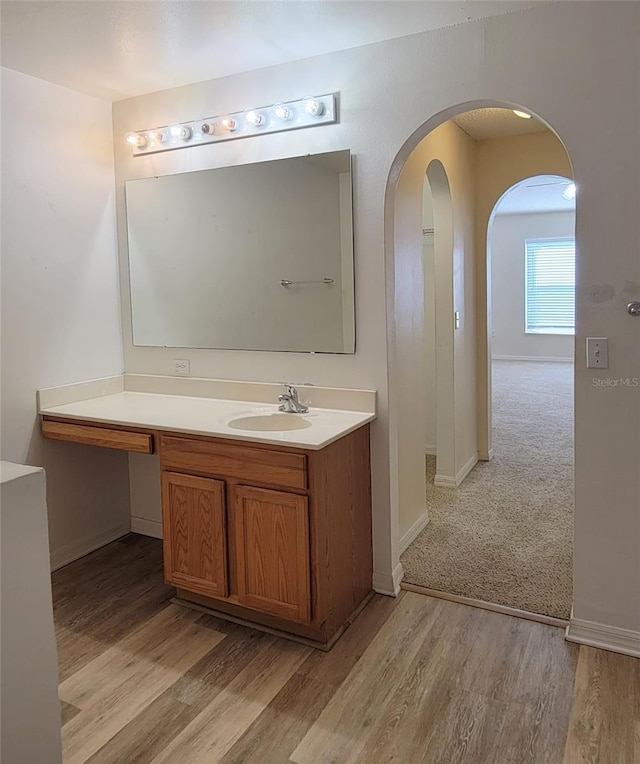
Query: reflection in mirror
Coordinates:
[249,257]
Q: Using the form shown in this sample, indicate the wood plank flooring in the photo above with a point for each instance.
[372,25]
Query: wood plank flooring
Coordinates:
[605,719]
[414,680]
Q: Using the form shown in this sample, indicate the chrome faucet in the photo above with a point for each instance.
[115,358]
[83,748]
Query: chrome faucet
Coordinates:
[290,403]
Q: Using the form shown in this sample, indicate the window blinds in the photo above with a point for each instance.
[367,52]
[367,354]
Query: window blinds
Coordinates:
[550,286]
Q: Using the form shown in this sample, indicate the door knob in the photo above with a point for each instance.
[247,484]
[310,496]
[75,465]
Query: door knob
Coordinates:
[633,308]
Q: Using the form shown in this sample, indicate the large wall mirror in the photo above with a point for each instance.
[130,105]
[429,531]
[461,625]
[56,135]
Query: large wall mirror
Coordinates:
[249,257]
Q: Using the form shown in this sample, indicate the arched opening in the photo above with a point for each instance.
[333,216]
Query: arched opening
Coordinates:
[466,318]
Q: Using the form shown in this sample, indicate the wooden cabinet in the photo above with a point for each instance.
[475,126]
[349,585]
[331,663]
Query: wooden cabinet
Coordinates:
[195,540]
[266,534]
[292,527]
[272,548]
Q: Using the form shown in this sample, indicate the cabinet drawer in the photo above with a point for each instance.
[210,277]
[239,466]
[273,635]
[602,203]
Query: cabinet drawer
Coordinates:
[255,465]
[105,437]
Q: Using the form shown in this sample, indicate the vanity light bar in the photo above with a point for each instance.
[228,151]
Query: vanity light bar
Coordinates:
[305,112]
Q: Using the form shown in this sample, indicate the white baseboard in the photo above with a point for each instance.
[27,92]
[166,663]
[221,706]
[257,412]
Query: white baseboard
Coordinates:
[71,552]
[613,638]
[430,450]
[557,359]
[419,525]
[146,527]
[389,584]
[447,481]
[482,457]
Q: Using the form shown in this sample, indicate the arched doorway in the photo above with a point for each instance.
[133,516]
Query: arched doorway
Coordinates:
[469,320]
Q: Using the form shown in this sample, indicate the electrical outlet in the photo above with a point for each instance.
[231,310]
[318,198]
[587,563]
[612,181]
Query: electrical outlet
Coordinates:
[181,366]
[597,353]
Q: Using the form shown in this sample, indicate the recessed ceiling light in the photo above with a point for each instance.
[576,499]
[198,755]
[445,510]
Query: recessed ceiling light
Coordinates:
[522,114]
[569,192]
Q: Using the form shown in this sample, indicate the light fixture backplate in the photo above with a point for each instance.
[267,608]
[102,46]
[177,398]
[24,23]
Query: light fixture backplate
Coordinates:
[299,118]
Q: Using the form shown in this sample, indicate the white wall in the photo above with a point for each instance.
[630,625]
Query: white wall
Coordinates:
[575,64]
[507,240]
[60,306]
[367,367]
[29,705]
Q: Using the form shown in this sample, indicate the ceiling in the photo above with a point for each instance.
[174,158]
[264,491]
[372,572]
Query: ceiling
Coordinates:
[115,49]
[482,124]
[540,194]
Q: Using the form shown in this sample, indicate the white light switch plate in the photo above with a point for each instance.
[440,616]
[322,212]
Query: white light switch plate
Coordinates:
[597,353]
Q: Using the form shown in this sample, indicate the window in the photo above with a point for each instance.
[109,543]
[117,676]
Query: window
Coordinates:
[550,286]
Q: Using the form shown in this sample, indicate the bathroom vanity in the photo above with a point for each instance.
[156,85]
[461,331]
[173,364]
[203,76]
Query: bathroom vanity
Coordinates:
[266,516]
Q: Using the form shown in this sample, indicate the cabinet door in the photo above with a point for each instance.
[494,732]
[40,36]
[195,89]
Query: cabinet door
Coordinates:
[195,546]
[272,543]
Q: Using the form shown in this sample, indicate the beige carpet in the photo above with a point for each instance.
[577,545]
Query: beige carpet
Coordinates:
[506,534]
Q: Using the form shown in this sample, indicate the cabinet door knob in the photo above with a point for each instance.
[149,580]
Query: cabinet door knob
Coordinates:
[633,308]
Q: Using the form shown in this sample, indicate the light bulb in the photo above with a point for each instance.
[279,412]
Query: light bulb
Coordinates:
[313,107]
[254,118]
[569,192]
[282,112]
[230,124]
[208,128]
[183,132]
[157,136]
[136,140]
[522,114]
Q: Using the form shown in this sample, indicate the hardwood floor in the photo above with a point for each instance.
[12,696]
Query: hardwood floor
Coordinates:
[414,680]
[605,719]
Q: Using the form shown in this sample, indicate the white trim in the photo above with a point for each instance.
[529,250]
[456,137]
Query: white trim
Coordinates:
[389,584]
[146,527]
[488,457]
[71,552]
[466,469]
[445,481]
[556,359]
[430,450]
[613,638]
[419,525]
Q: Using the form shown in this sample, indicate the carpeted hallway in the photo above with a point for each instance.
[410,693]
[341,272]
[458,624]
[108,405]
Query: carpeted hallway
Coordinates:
[506,534]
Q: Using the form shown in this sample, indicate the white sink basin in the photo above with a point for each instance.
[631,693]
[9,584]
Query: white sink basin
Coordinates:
[270,423]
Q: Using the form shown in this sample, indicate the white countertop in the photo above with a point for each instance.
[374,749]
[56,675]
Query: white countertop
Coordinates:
[209,416]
